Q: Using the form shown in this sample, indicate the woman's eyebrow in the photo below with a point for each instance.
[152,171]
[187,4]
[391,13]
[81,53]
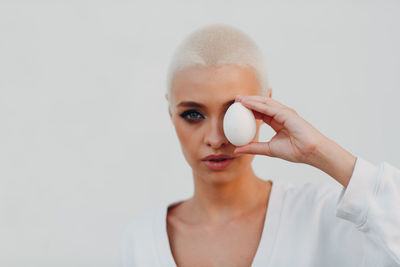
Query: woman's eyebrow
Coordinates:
[190,104]
[228,103]
[199,105]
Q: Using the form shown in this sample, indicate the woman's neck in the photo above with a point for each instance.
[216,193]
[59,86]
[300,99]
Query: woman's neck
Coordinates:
[219,203]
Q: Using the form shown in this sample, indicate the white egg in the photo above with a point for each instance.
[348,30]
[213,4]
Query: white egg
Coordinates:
[239,124]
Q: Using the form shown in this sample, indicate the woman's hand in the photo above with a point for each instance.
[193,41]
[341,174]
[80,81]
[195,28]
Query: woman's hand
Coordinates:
[295,139]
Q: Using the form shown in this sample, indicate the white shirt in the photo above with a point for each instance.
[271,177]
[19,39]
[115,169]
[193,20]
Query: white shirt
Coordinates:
[315,224]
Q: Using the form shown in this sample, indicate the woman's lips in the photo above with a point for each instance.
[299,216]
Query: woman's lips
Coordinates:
[218,165]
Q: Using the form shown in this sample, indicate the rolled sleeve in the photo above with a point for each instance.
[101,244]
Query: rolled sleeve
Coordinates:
[371,201]
[354,200]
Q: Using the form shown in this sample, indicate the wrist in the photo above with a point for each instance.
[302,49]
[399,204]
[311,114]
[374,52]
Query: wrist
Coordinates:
[334,160]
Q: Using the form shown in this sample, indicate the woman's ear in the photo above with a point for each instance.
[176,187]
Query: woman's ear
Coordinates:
[258,124]
[169,110]
[269,92]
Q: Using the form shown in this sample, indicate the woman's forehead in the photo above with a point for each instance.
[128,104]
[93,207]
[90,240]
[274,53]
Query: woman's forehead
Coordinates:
[204,84]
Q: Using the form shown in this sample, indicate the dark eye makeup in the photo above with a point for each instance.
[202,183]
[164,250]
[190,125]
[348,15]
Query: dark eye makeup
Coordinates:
[191,115]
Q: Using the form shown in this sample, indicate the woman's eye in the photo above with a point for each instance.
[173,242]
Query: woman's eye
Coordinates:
[191,115]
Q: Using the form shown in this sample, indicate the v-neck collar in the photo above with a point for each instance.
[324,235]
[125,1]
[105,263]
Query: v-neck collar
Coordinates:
[265,246]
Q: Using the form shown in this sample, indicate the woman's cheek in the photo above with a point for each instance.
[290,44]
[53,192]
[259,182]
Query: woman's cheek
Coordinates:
[184,133]
[189,139]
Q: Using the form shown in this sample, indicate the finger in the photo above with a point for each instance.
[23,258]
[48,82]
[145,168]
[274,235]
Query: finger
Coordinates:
[268,120]
[263,108]
[279,114]
[257,115]
[260,116]
[266,100]
[261,99]
[260,148]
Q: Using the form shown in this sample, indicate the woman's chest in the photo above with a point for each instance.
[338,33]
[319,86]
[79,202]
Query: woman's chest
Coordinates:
[235,244]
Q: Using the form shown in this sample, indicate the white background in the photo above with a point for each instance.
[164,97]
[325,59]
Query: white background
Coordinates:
[86,143]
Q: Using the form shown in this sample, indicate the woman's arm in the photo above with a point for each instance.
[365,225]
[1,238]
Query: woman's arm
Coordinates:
[334,160]
[371,201]
[371,194]
[370,197]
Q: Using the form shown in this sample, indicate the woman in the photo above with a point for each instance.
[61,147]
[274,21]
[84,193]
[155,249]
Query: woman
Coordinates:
[234,218]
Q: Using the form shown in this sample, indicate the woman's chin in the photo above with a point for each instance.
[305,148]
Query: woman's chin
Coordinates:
[218,177]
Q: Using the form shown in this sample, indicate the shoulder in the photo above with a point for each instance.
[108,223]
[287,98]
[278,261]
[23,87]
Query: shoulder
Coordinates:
[312,192]
[313,206]
[316,200]
[140,231]
[142,223]
[138,237]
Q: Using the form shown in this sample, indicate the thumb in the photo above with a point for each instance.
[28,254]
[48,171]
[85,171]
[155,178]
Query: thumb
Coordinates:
[261,148]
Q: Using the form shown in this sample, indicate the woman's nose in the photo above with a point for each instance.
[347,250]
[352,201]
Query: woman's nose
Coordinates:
[214,135]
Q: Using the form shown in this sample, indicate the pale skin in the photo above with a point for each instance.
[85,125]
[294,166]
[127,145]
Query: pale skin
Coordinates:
[222,223]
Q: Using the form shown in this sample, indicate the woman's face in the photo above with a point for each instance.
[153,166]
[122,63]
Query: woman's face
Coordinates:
[200,97]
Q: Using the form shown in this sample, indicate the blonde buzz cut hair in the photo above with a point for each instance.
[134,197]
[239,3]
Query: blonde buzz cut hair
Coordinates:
[216,45]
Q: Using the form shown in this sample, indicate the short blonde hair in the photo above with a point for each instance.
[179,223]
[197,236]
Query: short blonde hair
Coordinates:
[215,45]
